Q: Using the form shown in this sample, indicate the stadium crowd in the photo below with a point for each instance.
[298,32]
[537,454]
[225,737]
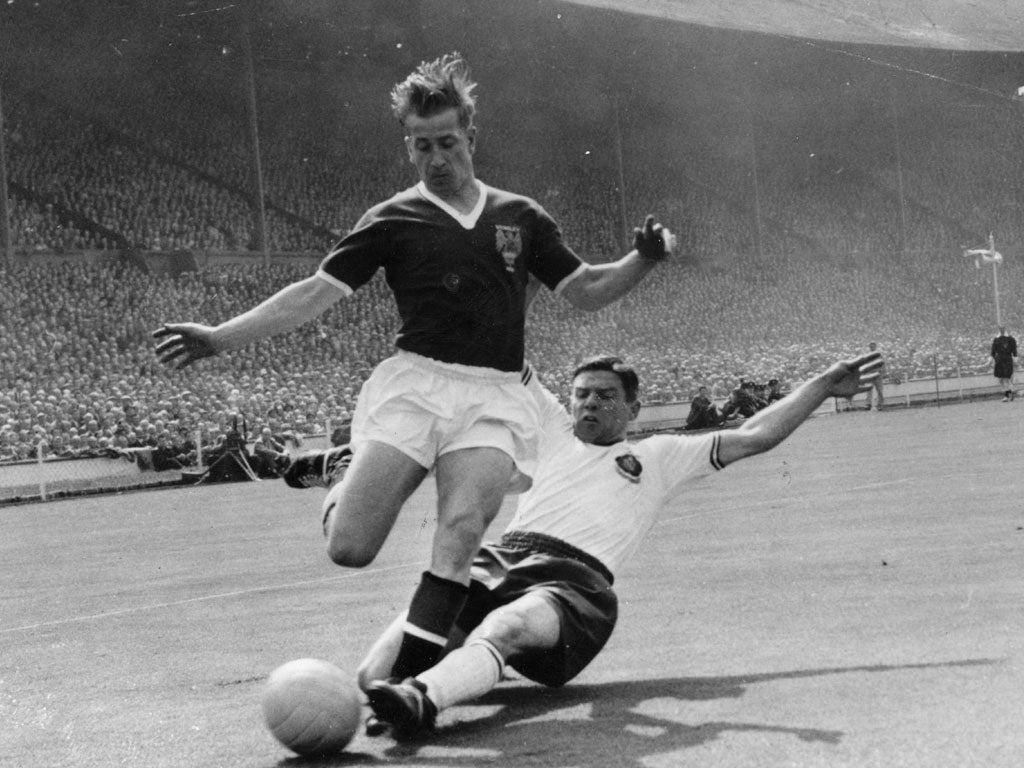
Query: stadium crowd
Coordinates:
[77,369]
[833,261]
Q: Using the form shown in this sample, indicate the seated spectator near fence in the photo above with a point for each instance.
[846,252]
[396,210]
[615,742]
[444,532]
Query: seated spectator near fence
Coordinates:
[703,412]
[774,391]
[270,455]
[166,455]
[741,402]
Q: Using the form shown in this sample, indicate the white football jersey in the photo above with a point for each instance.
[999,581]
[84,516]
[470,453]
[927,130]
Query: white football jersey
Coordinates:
[603,499]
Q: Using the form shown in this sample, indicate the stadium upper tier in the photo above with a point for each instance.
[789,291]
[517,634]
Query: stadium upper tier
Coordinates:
[135,132]
[78,184]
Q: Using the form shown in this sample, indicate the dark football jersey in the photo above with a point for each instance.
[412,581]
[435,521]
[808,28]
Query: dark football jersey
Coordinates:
[460,290]
[1004,347]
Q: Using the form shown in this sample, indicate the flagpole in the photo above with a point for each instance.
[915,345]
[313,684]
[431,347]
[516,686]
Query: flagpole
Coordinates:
[990,256]
[995,290]
[995,281]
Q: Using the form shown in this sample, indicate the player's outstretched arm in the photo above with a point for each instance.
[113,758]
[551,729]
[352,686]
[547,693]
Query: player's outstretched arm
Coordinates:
[769,427]
[601,284]
[184,343]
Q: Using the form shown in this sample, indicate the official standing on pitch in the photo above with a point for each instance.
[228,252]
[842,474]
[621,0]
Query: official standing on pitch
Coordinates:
[1004,349]
[458,256]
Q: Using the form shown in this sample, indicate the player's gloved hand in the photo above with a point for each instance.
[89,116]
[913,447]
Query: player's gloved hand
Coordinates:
[184,343]
[653,241]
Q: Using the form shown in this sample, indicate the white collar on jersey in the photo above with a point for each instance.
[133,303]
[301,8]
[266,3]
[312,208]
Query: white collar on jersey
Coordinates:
[466,220]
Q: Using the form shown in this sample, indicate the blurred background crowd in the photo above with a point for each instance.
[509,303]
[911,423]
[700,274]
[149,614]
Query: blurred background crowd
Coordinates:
[799,242]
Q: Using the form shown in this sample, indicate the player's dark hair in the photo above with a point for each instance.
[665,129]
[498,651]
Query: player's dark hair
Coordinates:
[630,381]
[435,86]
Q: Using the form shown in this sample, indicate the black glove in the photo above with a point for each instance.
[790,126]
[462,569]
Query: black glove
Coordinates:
[653,242]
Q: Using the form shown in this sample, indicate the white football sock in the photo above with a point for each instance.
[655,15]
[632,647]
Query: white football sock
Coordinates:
[463,674]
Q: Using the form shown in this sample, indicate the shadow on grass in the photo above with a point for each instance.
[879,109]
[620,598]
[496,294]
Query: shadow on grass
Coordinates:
[593,725]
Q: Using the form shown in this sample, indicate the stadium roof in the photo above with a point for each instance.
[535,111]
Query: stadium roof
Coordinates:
[978,25]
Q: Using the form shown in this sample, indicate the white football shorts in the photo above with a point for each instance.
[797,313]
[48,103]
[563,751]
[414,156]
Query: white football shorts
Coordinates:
[426,408]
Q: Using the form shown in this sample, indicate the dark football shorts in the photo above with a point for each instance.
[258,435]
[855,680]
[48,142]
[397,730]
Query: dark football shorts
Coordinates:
[576,585]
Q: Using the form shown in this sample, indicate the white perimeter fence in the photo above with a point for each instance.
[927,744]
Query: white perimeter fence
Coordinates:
[44,478]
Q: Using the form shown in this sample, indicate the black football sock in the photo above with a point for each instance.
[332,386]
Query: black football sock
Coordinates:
[435,605]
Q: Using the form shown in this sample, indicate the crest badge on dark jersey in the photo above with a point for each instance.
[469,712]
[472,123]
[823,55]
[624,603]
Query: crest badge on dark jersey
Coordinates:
[629,467]
[452,282]
[509,241]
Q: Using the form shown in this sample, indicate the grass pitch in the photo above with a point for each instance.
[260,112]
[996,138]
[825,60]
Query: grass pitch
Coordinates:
[853,598]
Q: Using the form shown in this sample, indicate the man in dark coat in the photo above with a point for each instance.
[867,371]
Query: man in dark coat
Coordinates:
[1004,349]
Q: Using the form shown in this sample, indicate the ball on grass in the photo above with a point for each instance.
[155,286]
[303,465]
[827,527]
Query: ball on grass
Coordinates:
[311,707]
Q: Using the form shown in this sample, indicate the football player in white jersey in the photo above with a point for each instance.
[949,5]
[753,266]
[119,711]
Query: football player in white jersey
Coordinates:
[541,599]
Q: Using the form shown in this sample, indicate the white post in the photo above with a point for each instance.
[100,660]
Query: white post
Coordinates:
[995,291]
[199,448]
[995,278]
[39,459]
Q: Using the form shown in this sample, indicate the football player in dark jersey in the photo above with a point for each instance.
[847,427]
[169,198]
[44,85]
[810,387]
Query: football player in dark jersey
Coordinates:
[458,256]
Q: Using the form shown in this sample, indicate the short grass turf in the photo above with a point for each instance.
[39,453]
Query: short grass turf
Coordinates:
[853,598]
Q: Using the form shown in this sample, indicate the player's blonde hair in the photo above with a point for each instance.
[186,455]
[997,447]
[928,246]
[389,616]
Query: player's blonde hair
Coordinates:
[435,86]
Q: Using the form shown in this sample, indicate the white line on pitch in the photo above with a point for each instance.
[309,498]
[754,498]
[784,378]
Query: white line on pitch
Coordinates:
[203,598]
[880,485]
